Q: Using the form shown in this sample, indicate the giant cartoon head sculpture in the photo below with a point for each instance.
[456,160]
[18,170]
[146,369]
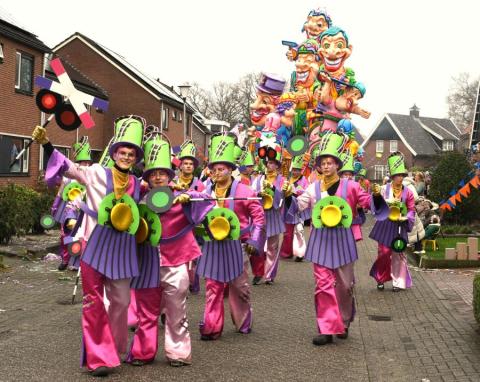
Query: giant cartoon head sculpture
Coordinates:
[334,49]
[318,21]
[306,64]
[269,90]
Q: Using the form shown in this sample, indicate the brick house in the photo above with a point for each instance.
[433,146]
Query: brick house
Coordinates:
[133,92]
[475,131]
[420,139]
[22,57]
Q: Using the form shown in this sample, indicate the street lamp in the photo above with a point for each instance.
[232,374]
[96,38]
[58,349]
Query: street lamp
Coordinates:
[184,92]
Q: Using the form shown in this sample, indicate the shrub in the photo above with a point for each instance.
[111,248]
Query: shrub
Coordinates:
[451,169]
[457,229]
[21,208]
[476,297]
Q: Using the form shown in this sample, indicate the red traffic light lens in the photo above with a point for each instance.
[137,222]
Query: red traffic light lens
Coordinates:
[48,101]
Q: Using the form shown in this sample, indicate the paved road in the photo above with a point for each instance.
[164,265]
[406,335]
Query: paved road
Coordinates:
[427,333]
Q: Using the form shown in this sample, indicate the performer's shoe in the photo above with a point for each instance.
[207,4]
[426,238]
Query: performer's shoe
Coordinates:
[322,339]
[396,289]
[268,282]
[298,259]
[380,286]
[206,337]
[101,371]
[178,363]
[62,267]
[256,280]
[139,362]
[343,336]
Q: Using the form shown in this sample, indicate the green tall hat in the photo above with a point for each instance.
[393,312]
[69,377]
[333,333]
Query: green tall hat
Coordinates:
[246,159]
[363,172]
[237,153]
[105,160]
[188,151]
[128,132]
[396,164]
[347,160]
[221,150]
[157,156]
[81,150]
[297,162]
[332,144]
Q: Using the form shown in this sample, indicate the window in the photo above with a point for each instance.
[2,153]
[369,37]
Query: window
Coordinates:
[24,73]
[393,146]
[379,146]
[165,118]
[174,115]
[180,118]
[1,53]
[447,145]
[10,147]
[380,172]
[44,160]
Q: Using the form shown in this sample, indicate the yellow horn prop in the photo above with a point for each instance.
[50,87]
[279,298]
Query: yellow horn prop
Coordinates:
[219,227]
[394,213]
[142,232]
[74,193]
[121,217]
[331,216]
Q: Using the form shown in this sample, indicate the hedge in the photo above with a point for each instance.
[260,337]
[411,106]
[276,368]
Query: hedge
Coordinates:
[21,208]
[476,297]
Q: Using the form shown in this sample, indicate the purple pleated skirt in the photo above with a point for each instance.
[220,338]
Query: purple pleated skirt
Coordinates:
[385,231]
[331,247]
[58,216]
[221,260]
[274,220]
[306,214]
[112,253]
[149,264]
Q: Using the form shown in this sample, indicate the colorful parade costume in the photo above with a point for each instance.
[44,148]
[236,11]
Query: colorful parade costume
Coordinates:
[224,261]
[167,291]
[110,257]
[333,250]
[274,226]
[391,263]
[293,243]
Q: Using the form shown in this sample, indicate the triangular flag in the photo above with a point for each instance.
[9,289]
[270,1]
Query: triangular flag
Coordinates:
[452,192]
[448,207]
[462,183]
[474,182]
[458,198]
[465,190]
[452,202]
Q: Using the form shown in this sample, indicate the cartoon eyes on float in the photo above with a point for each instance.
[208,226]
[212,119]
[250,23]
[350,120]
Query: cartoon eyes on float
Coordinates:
[267,153]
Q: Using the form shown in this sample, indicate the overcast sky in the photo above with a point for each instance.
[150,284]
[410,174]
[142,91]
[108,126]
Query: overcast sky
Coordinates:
[405,51]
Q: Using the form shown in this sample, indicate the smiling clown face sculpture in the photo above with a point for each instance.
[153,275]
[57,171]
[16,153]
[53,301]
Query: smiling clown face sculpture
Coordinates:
[334,51]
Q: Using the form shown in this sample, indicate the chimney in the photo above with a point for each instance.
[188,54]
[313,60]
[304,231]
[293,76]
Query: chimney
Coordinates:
[414,111]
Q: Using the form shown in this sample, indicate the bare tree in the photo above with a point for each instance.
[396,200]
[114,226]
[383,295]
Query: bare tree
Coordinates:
[247,94]
[461,101]
[201,99]
[225,103]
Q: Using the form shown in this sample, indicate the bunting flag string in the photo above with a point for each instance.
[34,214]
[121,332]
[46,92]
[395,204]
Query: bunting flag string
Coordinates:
[462,191]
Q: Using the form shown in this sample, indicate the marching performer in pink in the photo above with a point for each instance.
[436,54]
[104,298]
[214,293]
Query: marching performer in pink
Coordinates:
[234,229]
[163,283]
[187,181]
[110,257]
[271,185]
[293,243]
[331,246]
[392,233]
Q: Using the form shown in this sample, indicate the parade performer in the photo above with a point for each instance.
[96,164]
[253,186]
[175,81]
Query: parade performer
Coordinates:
[236,228]
[331,246]
[246,167]
[272,186]
[162,285]
[188,164]
[362,179]
[187,181]
[110,257]
[293,244]
[391,263]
